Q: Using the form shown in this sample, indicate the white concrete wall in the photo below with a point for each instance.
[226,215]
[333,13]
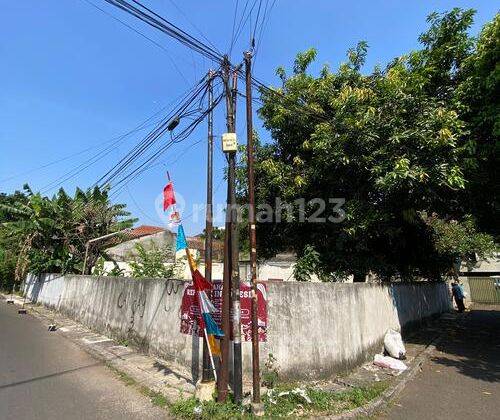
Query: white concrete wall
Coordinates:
[315,329]
[331,327]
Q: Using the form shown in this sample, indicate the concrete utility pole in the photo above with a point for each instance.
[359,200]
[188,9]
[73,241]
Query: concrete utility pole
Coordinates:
[207,374]
[231,283]
[223,377]
[235,269]
[252,233]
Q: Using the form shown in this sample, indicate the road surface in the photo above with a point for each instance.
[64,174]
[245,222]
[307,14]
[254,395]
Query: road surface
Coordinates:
[462,378]
[45,376]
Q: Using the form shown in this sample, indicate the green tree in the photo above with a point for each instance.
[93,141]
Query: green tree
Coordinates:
[51,233]
[98,269]
[307,264]
[456,241]
[392,143]
[478,94]
[154,262]
[217,233]
[9,245]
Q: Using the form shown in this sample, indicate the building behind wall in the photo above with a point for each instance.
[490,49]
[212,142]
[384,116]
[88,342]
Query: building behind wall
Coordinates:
[278,268]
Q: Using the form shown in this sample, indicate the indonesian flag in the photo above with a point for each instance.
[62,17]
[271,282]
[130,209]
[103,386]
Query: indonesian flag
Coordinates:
[206,306]
[168,196]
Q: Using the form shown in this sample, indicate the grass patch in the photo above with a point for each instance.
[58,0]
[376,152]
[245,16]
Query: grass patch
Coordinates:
[293,403]
[191,408]
[124,377]
[157,399]
[284,401]
[123,342]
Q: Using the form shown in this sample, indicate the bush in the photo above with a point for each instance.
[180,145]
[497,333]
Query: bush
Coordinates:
[152,262]
[7,270]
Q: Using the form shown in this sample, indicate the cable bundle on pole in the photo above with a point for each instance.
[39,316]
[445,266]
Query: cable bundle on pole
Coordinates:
[187,107]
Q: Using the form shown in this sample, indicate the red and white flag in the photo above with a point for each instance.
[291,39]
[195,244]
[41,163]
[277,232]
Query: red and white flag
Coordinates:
[168,196]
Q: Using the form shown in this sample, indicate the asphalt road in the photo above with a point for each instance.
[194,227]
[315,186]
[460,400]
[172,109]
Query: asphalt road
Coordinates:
[462,378]
[45,376]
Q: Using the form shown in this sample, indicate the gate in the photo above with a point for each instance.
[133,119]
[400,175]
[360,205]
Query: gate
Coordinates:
[485,289]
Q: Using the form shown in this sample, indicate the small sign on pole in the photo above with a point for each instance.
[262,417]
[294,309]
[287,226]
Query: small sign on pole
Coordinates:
[229,143]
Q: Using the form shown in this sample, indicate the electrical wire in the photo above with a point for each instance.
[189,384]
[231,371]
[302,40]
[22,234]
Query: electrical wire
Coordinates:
[114,190]
[263,27]
[103,152]
[153,19]
[243,21]
[230,49]
[174,64]
[256,22]
[144,161]
[154,135]
[192,24]
[148,163]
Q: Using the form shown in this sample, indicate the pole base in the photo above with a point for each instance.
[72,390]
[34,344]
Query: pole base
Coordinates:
[258,409]
[205,391]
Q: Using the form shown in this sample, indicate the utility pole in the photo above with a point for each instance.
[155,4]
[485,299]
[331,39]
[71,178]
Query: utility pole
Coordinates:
[235,270]
[223,377]
[252,233]
[231,280]
[207,374]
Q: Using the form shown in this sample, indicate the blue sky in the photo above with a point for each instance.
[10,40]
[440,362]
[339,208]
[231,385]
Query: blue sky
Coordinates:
[73,78]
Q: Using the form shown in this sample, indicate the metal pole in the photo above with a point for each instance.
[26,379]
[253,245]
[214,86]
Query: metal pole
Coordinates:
[100,238]
[86,256]
[207,368]
[223,377]
[235,272]
[252,233]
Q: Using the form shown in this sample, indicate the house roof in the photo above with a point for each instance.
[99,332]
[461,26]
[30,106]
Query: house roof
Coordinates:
[144,230]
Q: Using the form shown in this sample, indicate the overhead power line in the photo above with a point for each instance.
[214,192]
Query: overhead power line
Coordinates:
[142,155]
[153,19]
[150,160]
[157,44]
[102,152]
[242,22]
[172,2]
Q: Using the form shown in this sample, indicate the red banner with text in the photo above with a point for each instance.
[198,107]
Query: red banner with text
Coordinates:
[190,311]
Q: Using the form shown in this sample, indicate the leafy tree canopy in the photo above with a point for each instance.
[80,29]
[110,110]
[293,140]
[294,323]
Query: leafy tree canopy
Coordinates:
[47,234]
[394,143]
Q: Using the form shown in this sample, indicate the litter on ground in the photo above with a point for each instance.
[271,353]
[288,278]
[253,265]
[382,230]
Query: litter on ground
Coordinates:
[393,344]
[389,362]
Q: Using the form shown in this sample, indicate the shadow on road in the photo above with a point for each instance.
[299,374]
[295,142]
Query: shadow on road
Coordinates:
[470,342]
[472,345]
[52,375]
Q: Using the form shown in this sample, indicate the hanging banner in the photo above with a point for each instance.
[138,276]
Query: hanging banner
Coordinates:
[190,311]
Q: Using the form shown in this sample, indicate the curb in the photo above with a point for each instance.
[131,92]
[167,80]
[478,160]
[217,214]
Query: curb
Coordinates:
[390,394]
[122,361]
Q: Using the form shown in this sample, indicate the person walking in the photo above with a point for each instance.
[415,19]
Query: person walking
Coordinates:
[458,295]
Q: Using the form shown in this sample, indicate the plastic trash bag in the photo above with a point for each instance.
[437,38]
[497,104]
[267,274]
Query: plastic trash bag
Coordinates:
[389,362]
[393,344]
